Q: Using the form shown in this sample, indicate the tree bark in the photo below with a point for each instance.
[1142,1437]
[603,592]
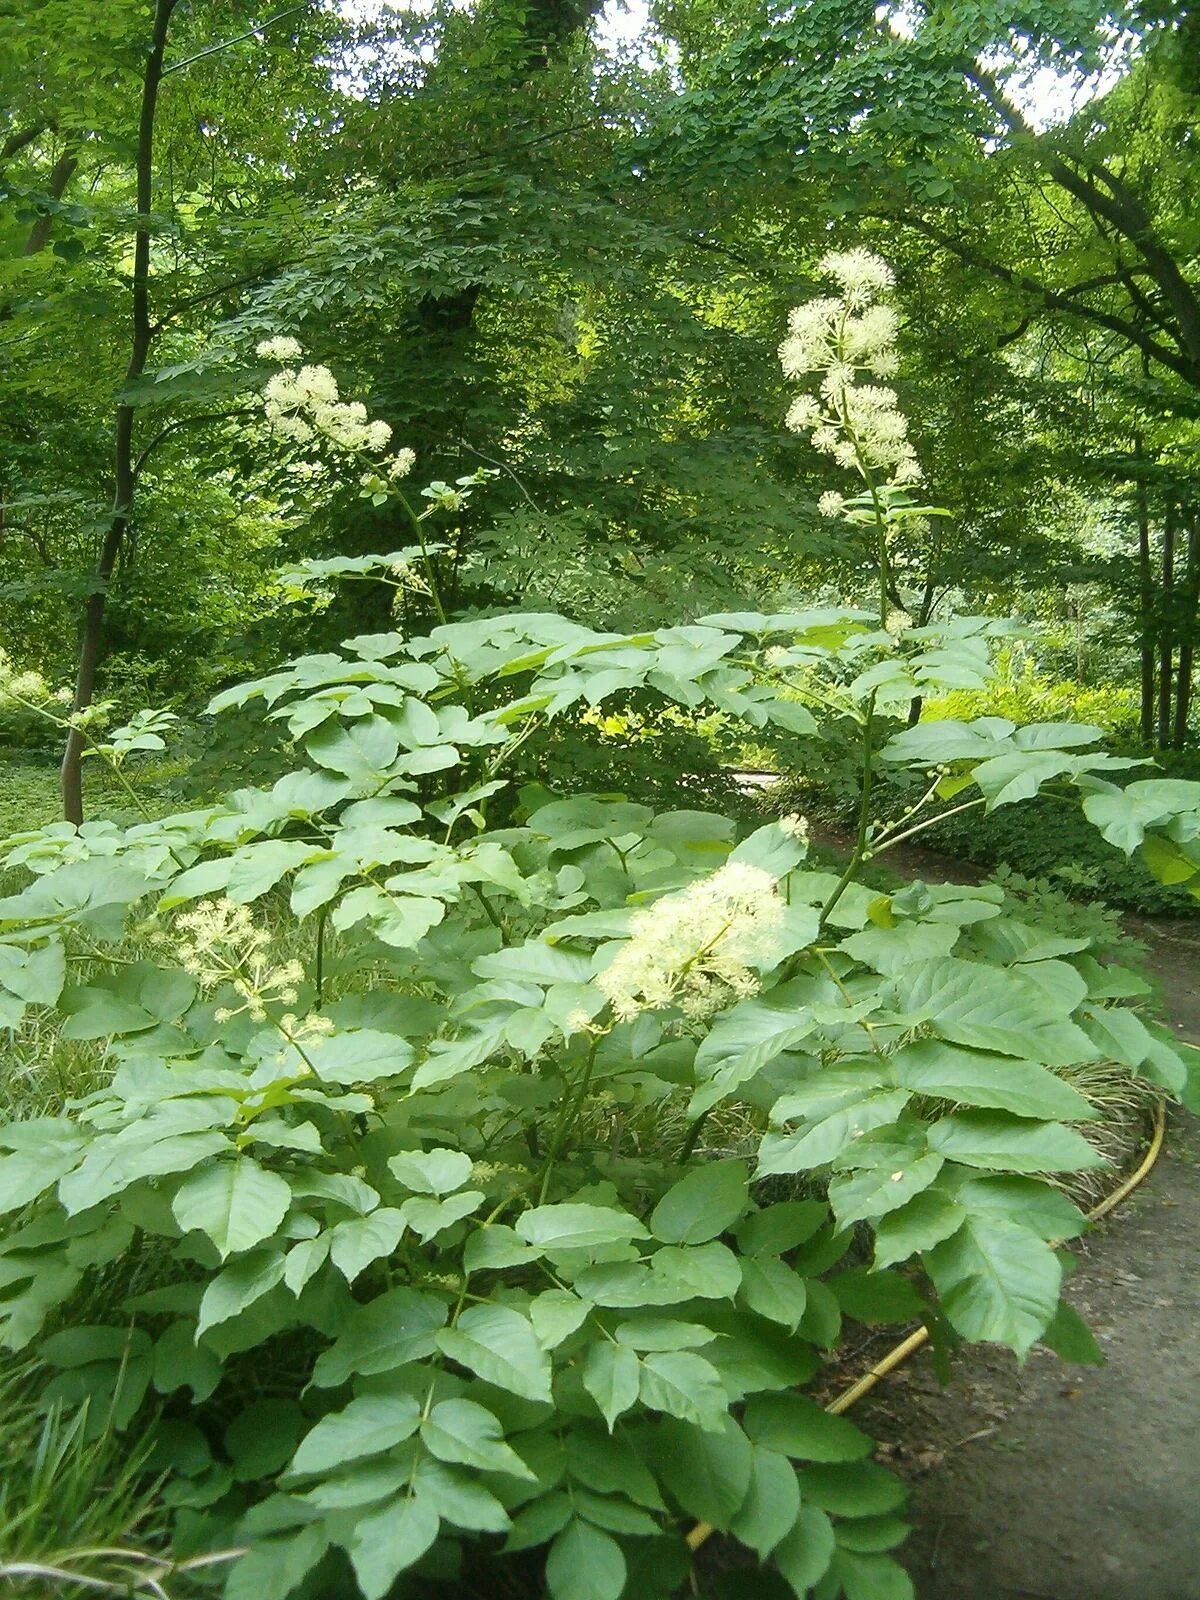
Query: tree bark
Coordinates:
[60,177]
[1166,629]
[1145,605]
[1187,630]
[124,475]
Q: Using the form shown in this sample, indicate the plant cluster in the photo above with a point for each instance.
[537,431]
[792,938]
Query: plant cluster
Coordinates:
[359,1176]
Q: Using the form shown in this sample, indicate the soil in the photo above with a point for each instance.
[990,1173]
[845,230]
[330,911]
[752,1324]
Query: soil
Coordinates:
[1057,1482]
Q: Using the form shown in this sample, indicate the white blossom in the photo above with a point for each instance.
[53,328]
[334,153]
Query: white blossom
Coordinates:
[795,826]
[402,463]
[222,944]
[847,338]
[318,385]
[281,348]
[693,949]
[831,503]
[862,275]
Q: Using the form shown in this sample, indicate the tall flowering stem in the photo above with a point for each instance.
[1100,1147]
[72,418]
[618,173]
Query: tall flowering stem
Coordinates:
[845,338]
[848,339]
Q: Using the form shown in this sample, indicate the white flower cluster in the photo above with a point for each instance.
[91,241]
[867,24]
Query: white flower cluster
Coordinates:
[281,348]
[693,949]
[843,337]
[302,403]
[795,827]
[221,944]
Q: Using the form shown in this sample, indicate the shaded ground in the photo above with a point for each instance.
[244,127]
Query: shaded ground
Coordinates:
[1061,1482]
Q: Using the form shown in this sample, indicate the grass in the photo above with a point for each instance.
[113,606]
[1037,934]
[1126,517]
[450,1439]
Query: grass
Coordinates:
[72,1500]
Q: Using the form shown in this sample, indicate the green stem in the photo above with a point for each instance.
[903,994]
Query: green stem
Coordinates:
[859,853]
[319,960]
[693,1134]
[930,822]
[427,560]
[567,1119]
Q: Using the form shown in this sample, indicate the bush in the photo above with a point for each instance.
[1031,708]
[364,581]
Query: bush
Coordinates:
[358,1204]
[373,1233]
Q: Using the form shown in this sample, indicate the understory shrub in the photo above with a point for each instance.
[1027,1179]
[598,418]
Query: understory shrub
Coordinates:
[478,1175]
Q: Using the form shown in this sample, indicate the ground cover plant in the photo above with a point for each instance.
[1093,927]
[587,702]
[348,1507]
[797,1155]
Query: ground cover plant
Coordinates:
[356,1220]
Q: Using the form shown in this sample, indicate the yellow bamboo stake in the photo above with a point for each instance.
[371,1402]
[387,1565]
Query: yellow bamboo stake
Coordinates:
[900,1353]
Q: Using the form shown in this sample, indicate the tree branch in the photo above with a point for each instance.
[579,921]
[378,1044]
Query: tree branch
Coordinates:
[1054,299]
[227,44]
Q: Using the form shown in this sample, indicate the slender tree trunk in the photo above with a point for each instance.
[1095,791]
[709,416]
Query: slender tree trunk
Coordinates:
[124,475]
[1166,633]
[1145,605]
[60,177]
[1187,629]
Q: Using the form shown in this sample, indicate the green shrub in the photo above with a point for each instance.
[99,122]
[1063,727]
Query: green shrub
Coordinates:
[378,1237]
[1020,692]
[474,1174]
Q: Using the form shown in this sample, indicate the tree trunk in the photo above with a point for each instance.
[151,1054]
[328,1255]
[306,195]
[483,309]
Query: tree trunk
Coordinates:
[1145,605]
[60,177]
[1166,629]
[1187,630]
[124,475]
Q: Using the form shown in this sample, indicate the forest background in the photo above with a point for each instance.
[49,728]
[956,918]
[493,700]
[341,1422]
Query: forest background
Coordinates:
[415,488]
[558,243]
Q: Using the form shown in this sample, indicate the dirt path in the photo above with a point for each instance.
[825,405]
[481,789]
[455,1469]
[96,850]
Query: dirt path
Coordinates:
[1074,1483]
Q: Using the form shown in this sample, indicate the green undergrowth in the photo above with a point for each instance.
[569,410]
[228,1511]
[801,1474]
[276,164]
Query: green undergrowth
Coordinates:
[1046,838]
[30,797]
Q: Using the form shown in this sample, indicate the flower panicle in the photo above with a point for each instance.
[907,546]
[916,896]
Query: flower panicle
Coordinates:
[850,339]
[694,949]
[303,403]
[220,944]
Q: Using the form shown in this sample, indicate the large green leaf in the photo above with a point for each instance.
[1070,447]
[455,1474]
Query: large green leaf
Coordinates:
[708,1472]
[364,748]
[798,1427]
[1012,1144]
[875,1190]
[236,1203]
[819,1142]
[1123,815]
[990,1008]
[389,1540]
[772,1503]
[366,1427]
[858,1489]
[612,1376]
[467,1433]
[922,1222]
[358,1241]
[948,1072]
[499,1345]
[997,1281]
[686,1386]
[703,1204]
[803,1557]
[389,1331]
[742,1042]
[772,1290]
[585,1563]
[577,1227]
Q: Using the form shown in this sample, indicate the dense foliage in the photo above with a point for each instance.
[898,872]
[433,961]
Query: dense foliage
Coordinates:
[445,1132]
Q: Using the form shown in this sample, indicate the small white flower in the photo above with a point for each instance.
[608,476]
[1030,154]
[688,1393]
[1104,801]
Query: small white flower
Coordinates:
[861,274]
[795,826]
[402,463]
[831,503]
[281,348]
